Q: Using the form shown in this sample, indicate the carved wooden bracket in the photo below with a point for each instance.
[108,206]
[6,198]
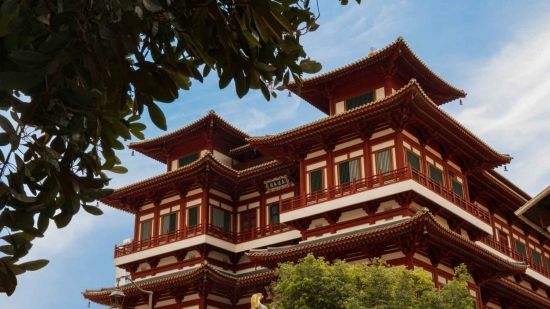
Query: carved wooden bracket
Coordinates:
[371,207]
[178,293]
[405,199]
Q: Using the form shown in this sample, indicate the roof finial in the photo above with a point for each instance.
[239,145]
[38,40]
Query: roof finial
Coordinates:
[372,51]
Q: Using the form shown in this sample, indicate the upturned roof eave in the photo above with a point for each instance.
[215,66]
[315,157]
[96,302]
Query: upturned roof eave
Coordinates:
[421,216]
[374,58]
[308,130]
[209,162]
[147,145]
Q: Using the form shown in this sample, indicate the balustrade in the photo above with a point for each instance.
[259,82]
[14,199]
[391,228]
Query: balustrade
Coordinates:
[380,180]
[196,230]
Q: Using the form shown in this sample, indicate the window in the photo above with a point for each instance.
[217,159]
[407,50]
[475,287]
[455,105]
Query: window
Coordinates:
[145,230]
[316,180]
[193,217]
[520,248]
[456,185]
[413,160]
[360,100]
[274,213]
[188,159]
[349,171]
[168,223]
[221,218]
[436,174]
[536,257]
[548,263]
[383,161]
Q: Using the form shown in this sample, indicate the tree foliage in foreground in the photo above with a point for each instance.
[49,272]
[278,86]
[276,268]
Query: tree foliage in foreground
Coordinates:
[314,283]
[77,75]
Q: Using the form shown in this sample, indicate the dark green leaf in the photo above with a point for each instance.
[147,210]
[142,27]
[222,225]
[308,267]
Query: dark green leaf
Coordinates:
[7,249]
[33,265]
[29,58]
[157,116]
[96,211]
[152,5]
[119,170]
[310,66]
[9,7]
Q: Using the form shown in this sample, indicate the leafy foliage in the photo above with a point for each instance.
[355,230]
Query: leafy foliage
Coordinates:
[76,77]
[314,283]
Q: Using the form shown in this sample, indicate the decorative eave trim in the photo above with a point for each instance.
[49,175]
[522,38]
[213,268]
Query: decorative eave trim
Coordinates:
[384,104]
[208,161]
[195,125]
[421,216]
[378,57]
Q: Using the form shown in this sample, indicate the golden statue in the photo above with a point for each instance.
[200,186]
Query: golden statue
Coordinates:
[255,301]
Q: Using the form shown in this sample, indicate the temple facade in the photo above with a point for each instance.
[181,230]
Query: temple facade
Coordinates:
[386,174]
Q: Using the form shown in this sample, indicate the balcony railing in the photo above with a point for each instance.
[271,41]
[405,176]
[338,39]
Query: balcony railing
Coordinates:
[506,250]
[196,230]
[378,181]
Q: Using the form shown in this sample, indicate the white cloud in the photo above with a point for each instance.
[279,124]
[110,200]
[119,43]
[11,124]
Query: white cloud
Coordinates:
[509,95]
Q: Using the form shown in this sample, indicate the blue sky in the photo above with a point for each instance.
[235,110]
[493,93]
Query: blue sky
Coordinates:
[497,51]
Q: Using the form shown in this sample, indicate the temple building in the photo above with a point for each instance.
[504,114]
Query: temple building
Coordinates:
[387,173]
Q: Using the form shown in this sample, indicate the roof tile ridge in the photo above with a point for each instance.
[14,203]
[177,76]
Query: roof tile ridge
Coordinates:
[265,164]
[175,171]
[461,126]
[435,221]
[429,69]
[370,55]
[396,93]
[173,132]
[236,149]
[213,113]
[511,189]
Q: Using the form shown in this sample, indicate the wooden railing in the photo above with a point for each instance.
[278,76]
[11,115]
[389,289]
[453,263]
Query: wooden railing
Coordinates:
[506,250]
[196,230]
[381,180]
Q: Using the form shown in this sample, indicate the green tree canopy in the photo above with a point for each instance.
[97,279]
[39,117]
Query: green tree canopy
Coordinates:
[77,75]
[314,283]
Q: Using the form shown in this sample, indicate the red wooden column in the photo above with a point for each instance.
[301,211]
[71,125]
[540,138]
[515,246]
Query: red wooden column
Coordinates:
[136,226]
[399,149]
[330,167]
[366,134]
[303,178]
[263,222]
[388,85]
[205,207]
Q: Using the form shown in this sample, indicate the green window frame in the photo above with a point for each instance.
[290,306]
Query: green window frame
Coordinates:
[349,171]
[316,180]
[360,100]
[274,213]
[168,223]
[413,160]
[536,257]
[193,216]
[436,174]
[221,218]
[145,230]
[458,189]
[520,247]
[188,159]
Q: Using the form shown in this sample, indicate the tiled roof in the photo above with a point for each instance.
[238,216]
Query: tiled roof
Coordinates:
[145,145]
[207,161]
[341,240]
[386,103]
[398,46]
[157,283]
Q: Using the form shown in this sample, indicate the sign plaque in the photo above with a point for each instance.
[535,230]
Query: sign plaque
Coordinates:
[277,183]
